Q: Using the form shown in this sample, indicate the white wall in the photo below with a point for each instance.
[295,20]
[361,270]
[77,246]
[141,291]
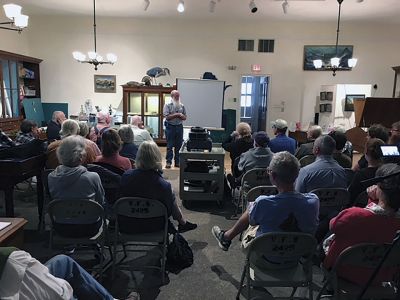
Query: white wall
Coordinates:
[189,48]
[11,41]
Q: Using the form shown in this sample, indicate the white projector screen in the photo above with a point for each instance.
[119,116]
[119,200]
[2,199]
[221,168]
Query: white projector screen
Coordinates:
[203,100]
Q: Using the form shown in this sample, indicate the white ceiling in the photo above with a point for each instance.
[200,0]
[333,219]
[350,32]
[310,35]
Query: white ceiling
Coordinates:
[299,10]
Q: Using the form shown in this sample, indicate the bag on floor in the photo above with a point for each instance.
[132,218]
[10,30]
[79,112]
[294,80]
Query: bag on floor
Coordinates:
[179,254]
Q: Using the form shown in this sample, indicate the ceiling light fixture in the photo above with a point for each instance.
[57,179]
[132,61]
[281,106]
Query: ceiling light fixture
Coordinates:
[211,6]
[93,57]
[18,20]
[146,4]
[285,6]
[252,6]
[336,63]
[181,6]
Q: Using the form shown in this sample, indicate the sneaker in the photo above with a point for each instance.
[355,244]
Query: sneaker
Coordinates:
[219,235]
[168,165]
[186,227]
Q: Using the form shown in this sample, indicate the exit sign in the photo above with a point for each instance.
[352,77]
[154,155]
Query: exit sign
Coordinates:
[255,68]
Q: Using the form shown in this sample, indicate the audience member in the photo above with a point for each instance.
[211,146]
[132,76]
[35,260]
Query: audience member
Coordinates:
[281,142]
[84,132]
[71,180]
[103,123]
[373,155]
[348,146]
[395,134]
[375,131]
[238,142]
[313,133]
[139,133]
[287,211]
[54,126]
[68,128]
[147,181]
[376,223]
[24,277]
[110,146]
[29,132]
[340,139]
[325,172]
[129,149]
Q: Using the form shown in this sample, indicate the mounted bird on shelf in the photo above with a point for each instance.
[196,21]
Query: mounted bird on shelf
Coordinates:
[154,73]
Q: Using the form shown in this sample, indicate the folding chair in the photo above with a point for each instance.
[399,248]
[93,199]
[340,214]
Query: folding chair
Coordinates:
[140,222]
[45,176]
[332,199]
[257,191]
[78,222]
[279,259]
[252,178]
[306,160]
[366,257]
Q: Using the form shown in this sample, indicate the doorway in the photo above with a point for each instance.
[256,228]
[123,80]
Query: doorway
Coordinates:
[254,100]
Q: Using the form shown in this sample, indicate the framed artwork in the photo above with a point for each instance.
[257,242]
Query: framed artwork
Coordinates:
[324,108]
[349,101]
[325,53]
[322,96]
[104,83]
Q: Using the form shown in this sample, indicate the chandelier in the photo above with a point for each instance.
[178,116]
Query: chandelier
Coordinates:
[93,57]
[336,63]
[18,20]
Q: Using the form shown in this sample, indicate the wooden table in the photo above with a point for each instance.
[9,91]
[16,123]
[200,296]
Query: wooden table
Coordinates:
[13,234]
[13,171]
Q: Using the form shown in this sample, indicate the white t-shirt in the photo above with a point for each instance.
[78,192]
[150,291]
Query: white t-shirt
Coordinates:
[25,278]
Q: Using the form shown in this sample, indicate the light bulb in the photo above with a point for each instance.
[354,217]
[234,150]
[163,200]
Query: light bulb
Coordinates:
[352,62]
[92,55]
[335,61]
[181,6]
[12,10]
[111,57]
[21,21]
[317,63]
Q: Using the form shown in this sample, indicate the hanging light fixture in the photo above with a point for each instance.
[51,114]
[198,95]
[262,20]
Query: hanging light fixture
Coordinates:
[335,62]
[285,6]
[18,20]
[93,57]
[181,6]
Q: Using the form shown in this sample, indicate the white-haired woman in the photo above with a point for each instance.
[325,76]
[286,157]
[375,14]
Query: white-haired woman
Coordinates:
[147,181]
[129,149]
[68,128]
[71,180]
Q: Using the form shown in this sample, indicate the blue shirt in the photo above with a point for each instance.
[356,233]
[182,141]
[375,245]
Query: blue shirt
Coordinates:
[325,172]
[282,143]
[289,212]
[171,109]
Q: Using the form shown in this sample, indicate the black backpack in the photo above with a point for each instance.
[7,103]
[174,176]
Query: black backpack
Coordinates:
[179,254]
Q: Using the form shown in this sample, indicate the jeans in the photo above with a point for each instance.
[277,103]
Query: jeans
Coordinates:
[83,284]
[174,135]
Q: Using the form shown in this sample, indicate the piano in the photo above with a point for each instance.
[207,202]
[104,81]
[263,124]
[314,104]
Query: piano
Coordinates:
[13,171]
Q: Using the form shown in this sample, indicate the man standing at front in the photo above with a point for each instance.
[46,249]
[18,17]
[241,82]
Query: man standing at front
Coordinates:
[174,114]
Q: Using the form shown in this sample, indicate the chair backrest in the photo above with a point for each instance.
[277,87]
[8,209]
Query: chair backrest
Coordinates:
[306,160]
[257,191]
[332,198]
[140,215]
[109,180]
[349,175]
[255,177]
[110,167]
[75,211]
[45,179]
[281,246]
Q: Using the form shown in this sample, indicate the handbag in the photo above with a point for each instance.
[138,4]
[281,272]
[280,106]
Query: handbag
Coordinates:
[179,254]
[248,236]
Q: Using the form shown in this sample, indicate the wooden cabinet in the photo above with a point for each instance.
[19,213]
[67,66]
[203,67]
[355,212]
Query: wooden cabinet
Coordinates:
[396,85]
[147,102]
[19,79]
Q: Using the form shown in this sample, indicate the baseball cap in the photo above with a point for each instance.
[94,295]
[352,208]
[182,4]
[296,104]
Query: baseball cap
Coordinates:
[261,138]
[279,124]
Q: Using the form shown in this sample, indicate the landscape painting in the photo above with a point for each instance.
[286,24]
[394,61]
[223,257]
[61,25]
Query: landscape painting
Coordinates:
[104,83]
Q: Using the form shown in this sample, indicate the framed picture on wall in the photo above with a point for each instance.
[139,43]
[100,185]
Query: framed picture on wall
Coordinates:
[322,96]
[329,96]
[104,83]
[349,101]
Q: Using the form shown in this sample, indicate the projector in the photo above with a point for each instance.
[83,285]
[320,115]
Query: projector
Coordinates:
[198,139]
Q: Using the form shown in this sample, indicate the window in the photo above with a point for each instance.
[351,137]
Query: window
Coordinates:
[9,85]
[246,45]
[246,97]
[266,46]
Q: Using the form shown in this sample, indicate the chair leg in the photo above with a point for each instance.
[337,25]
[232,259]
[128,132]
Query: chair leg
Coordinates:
[241,283]
[163,261]
[248,281]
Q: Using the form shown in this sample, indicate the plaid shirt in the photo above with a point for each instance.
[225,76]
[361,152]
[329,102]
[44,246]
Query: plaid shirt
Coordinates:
[24,138]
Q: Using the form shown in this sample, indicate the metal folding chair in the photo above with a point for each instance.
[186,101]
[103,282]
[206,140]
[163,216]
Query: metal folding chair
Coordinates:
[306,160]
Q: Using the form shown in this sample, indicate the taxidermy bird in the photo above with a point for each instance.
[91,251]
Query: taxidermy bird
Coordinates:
[157,72]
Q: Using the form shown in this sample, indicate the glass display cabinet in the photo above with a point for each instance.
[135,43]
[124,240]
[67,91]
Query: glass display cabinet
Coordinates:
[147,102]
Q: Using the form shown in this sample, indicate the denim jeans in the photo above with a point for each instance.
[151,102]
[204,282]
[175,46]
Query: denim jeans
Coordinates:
[83,284]
[174,135]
